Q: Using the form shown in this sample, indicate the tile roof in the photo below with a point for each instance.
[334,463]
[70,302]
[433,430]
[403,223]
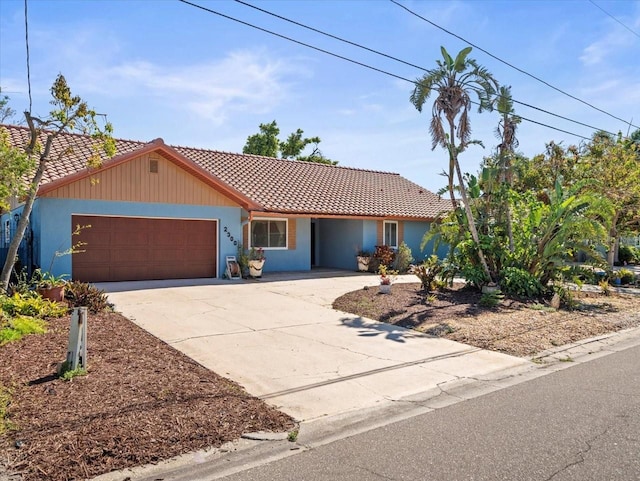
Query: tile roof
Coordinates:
[283,186]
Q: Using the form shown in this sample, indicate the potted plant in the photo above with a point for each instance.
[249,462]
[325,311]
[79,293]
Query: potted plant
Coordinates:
[49,286]
[256,261]
[243,260]
[363,258]
[387,276]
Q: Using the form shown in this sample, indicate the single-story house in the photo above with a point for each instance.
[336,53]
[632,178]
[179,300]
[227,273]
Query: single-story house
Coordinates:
[158,211]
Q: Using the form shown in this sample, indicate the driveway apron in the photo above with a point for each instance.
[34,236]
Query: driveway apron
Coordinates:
[280,338]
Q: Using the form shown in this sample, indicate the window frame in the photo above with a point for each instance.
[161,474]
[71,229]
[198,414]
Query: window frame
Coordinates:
[270,219]
[384,233]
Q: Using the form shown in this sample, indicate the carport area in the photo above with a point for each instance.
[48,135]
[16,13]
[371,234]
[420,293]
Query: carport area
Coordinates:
[280,339]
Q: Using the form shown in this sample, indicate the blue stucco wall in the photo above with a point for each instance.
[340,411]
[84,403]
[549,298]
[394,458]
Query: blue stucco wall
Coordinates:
[340,241]
[52,225]
[298,259]
[369,235]
[413,234]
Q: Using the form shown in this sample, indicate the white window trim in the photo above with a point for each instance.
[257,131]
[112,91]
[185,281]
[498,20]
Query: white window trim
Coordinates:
[286,235]
[384,233]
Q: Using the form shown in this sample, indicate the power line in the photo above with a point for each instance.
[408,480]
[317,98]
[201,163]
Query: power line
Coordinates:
[399,77]
[293,40]
[607,13]
[377,52]
[26,35]
[511,65]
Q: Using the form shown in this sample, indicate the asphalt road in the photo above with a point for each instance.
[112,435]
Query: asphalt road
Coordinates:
[581,423]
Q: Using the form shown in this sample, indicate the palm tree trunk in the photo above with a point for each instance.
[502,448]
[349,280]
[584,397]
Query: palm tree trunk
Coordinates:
[471,222]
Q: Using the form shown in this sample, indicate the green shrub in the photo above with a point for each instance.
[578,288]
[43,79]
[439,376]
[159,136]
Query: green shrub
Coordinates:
[67,374]
[626,276]
[31,304]
[403,258]
[584,274]
[519,282]
[81,294]
[474,275]
[17,327]
[491,299]
[427,272]
[627,254]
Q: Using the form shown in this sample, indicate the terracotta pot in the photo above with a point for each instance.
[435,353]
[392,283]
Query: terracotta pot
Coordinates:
[52,293]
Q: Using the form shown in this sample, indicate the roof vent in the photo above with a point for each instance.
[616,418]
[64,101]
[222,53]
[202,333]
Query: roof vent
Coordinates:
[153,166]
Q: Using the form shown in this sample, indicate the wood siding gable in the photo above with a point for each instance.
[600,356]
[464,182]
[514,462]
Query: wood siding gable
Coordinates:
[146,178]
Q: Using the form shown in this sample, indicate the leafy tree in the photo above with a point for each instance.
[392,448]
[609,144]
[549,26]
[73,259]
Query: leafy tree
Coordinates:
[69,114]
[14,166]
[612,164]
[453,83]
[6,112]
[550,231]
[266,143]
[539,173]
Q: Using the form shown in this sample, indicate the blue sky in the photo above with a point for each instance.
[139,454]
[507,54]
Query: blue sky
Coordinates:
[166,69]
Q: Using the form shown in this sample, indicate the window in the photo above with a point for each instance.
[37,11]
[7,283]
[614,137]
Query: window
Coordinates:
[391,234]
[269,234]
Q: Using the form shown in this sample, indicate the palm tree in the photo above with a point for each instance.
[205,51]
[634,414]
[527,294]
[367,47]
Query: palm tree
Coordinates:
[506,132]
[453,82]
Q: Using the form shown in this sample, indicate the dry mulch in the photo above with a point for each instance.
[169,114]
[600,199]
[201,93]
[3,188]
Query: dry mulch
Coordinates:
[141,401]
[516,328]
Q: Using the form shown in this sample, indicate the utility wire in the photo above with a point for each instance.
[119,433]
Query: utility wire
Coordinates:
[607,13]
[377,52]
[399,77]
[26,35]
[511,65]
[294,40]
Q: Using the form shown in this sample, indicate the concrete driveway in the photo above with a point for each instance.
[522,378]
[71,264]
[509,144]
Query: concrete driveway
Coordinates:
[280,339]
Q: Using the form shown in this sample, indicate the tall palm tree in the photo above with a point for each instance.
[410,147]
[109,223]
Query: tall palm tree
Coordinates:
[453,83]
[506,132]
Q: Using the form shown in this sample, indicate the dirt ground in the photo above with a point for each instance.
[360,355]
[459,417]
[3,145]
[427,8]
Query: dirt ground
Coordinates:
[141,401]
[513,327]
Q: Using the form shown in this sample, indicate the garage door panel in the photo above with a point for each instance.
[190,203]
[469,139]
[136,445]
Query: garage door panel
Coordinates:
[130,248]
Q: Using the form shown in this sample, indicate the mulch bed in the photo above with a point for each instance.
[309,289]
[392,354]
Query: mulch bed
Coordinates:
[517,328]
[141,401]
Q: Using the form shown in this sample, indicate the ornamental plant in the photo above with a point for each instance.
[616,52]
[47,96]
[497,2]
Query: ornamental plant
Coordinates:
[387,276]
[257,254]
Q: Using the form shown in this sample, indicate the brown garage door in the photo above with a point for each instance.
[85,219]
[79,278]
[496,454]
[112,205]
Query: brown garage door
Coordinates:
[134,248]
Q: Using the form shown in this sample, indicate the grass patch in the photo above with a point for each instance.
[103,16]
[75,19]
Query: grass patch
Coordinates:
[67,374]
[292,437]
[5,400]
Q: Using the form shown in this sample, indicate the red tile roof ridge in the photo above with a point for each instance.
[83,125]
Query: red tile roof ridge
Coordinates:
[160,140]
[78,134]
[305,162]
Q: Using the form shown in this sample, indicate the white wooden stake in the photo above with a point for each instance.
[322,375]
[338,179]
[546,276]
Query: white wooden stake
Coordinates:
[77,350]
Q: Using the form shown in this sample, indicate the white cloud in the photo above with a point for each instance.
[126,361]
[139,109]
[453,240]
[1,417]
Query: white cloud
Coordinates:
[605,48]
[240,82]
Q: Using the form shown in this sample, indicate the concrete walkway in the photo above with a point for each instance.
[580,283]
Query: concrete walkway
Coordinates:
[280,339]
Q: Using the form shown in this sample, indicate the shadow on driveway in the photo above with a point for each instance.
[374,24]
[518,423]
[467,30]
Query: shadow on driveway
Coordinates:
[374,329]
